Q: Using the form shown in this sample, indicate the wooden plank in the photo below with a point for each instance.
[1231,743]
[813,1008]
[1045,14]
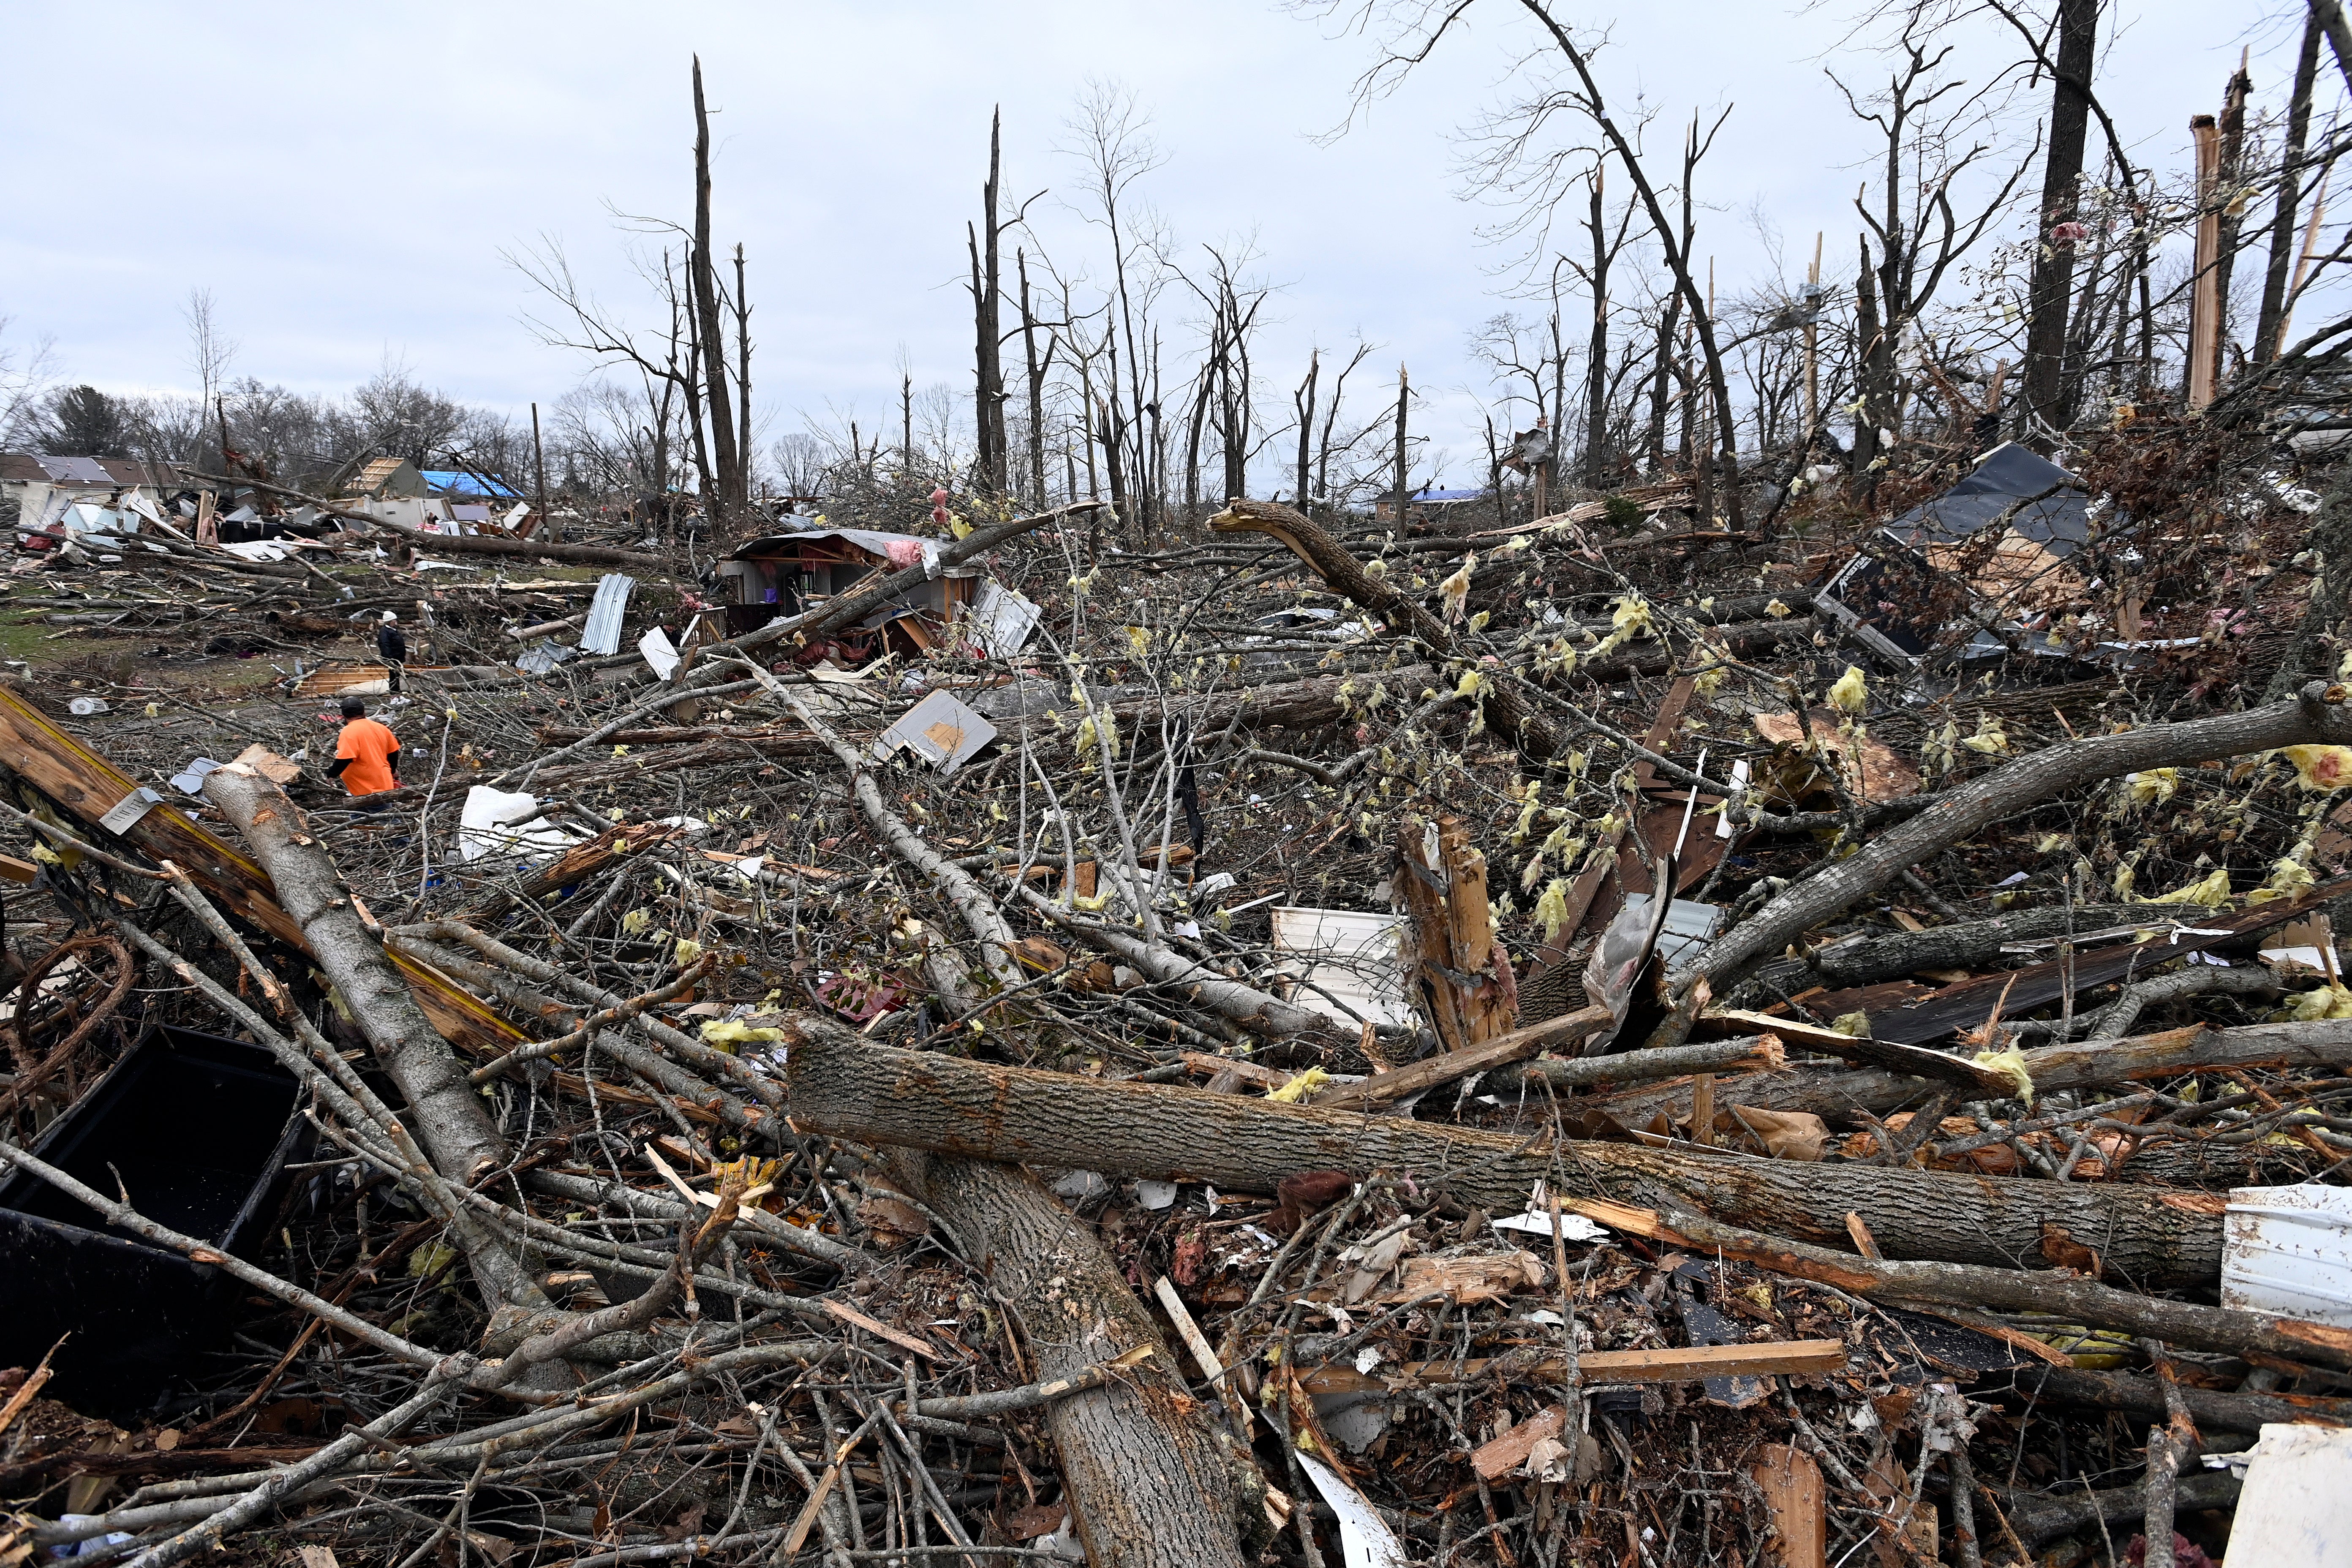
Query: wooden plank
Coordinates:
[1388,1087]
[1508,1452]
[1693,1363]
[1799,1509]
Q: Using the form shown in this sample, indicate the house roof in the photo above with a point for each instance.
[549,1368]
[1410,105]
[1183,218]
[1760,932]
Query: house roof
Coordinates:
[2005,482]
[373,475]
[872,541]
[455,482]
[34,468]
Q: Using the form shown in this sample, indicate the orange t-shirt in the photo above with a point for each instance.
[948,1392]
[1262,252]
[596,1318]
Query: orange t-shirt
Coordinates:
[366,744]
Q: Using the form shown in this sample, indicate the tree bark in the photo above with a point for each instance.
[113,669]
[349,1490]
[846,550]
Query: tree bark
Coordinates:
[844,1089]
[1834,1091]
[1149,1483]
[2050,292]
[451,1120]
[990,466]
[2283,239]
[2318,714]
[726,462]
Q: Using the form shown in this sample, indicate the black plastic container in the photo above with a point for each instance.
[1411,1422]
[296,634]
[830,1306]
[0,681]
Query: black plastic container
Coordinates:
[199,1130]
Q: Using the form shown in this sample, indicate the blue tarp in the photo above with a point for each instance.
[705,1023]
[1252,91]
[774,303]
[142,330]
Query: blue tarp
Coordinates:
[450,482]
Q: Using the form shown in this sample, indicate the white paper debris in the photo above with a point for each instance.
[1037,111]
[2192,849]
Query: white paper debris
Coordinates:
[484,827]
[659,652]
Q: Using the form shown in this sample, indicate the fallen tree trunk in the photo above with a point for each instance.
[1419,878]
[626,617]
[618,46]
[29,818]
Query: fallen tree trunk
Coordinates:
[451,1120]
[1149,1483]
[846,1088]
[2041,1520]
[2211,1407]
[2318,714]
[2072,1297]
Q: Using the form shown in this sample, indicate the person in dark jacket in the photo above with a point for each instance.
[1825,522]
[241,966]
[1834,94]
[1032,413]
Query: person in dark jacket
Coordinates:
[391,646]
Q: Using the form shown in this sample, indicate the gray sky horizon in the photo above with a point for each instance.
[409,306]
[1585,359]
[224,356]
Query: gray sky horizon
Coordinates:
[345,183]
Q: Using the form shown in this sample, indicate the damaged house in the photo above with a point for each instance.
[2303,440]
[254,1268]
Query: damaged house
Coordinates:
[786,573]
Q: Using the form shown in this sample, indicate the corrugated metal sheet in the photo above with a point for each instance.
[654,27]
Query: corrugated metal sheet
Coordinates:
[602,633]
[2288,1251]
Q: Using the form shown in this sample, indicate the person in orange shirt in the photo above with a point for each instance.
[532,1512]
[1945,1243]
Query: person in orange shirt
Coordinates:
[367,754]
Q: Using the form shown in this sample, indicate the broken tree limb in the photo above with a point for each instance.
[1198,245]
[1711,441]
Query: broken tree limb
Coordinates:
[2038,1519]
[845,1087]
[1149,1484]
[2326,1043]
[1230,999]
[1754,1052]
[2238,1412]
[1388,1087]
[980,916]
[2074,1298]
[1506,711]
[1671,1363]
[2318,714]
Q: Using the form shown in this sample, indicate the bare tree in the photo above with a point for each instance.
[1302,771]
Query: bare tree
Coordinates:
[26,371]
[1918,240]
[1113,144]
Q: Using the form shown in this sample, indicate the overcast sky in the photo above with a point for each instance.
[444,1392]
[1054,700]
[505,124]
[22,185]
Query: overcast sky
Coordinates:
[345,179]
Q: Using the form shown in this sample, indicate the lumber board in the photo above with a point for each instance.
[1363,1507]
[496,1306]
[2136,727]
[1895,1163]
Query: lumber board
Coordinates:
[1677,1363]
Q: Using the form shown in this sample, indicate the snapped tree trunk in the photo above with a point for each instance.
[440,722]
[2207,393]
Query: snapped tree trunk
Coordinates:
[1463,979]
[847,1089]
[726,462]
[1149,1483]
[990,469]
[2050,292]
[2290,189]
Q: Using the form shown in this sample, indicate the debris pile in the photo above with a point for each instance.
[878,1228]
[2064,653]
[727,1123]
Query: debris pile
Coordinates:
[1591,1038]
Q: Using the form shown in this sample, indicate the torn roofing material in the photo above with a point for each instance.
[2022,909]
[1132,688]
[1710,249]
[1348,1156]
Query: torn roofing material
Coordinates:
[1886,594]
